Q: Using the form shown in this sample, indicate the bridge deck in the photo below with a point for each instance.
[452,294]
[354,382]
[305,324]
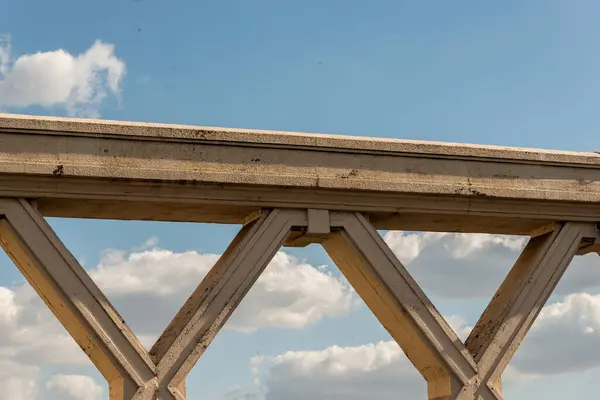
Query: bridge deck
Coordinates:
[122,170]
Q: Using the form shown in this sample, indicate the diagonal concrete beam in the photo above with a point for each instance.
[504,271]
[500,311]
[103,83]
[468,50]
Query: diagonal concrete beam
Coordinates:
[75,300]
[81,307]
[403,309]
[519,299]
[453,371]
[212,303]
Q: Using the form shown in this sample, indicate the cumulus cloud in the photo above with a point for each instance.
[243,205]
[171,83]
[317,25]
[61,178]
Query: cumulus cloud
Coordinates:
[372,371]
[474,265]
[463,259]
[378,371]
[73,387]
[22,317]
[289,294]
[78,83]
[460,326]
[568,332]
[564,333]
[24,349]
[293,294]
[18,381]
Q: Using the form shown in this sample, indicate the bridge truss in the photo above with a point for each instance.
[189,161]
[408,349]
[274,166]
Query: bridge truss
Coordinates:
[290,189]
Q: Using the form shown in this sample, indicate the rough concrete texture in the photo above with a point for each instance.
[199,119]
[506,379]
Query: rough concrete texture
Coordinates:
[453,370]
[185,133]
[292,189]
[177,173]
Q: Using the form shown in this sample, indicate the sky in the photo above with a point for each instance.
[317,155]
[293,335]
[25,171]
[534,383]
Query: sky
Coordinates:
[505,73]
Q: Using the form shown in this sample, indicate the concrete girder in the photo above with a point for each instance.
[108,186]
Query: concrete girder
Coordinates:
[121,170]
[292,189]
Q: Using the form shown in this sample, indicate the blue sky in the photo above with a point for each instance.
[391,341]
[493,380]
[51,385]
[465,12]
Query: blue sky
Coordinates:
[512,73]
[505,73]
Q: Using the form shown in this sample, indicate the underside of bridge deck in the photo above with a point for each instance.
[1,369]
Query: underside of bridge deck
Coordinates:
[291,189]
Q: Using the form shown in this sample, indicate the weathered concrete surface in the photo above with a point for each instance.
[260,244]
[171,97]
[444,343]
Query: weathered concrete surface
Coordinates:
[292,189]
[181,173]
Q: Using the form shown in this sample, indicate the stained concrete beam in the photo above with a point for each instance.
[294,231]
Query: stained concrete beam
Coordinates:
[122,170]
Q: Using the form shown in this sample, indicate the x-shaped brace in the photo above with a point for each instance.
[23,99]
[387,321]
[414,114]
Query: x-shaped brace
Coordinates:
[452,369]
[86,313]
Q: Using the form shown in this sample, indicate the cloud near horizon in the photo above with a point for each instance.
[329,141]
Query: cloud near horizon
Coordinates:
[380,370]
[293,294]
[290,294]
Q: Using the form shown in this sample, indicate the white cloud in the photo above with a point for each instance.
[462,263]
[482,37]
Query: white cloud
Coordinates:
[21,325]
[74,387]
[294,294]
[17,381]
[155,272]
[561,341]
[378,371]
[237,393]
[8,306]
[459,325]
[474,265]
[290,293]
[78,83]
[568,333]
[373,371]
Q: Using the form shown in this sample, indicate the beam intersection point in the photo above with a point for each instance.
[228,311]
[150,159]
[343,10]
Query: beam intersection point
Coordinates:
[453,370]
[292,190]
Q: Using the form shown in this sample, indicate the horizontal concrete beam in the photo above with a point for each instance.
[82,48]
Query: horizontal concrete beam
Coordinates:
[104,169]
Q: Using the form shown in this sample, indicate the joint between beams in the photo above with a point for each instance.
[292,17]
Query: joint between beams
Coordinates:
[34,203]
[253,216]
[317,228]
[318,222]
[590,241]
[544,229]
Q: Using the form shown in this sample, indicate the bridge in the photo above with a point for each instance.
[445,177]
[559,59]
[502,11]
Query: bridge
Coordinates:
[291,189]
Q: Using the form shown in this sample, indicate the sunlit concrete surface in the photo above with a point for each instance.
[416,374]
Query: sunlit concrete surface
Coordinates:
[291,189]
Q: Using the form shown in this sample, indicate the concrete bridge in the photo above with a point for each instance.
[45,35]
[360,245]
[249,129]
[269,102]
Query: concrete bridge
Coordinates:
[291,189]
